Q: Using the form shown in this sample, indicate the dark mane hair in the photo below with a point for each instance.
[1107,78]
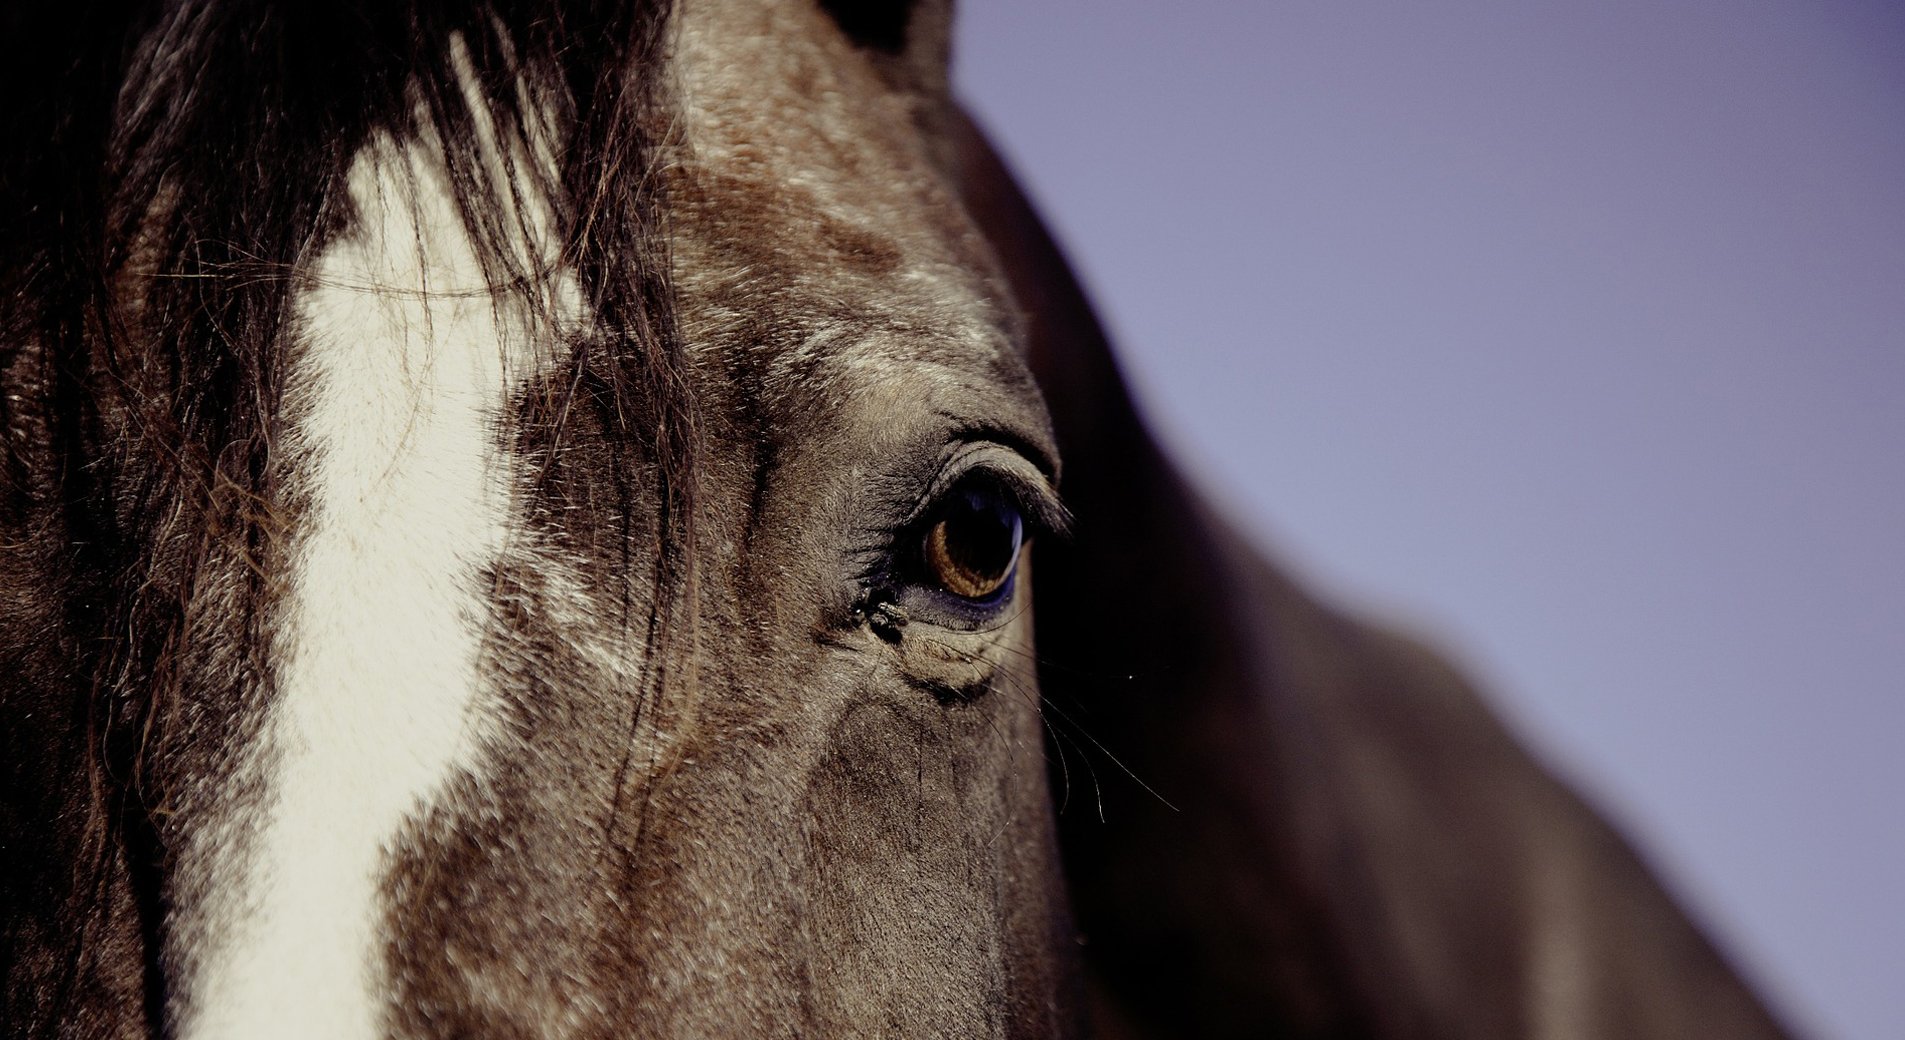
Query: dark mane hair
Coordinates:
[170,168]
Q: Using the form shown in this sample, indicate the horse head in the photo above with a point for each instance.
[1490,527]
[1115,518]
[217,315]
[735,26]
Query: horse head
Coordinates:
[523,521]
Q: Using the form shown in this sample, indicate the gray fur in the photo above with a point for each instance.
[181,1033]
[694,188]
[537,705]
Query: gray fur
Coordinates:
[805,809]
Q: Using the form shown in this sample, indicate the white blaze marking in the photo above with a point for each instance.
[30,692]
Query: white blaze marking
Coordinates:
[405,367]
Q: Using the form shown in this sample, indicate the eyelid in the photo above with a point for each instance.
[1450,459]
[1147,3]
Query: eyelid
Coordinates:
[1038,502]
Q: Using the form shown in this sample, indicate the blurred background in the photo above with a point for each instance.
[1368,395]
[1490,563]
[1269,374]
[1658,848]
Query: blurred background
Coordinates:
[1572,336]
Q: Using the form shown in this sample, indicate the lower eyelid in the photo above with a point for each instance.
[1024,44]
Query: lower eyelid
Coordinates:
[944,610]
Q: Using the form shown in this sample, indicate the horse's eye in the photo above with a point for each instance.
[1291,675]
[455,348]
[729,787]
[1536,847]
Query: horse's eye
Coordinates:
[974,545]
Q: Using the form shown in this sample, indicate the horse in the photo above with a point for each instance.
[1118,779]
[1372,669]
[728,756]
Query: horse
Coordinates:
[518,519]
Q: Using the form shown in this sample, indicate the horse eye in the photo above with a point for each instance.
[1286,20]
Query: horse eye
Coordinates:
[971,550]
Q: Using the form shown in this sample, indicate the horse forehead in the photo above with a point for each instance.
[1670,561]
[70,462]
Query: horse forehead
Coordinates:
[810,223]
[776,84]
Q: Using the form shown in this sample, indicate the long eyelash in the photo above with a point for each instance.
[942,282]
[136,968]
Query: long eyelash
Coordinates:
[1043,515]
[1019,482]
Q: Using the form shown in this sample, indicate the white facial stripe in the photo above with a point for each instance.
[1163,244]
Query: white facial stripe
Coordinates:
[397,401]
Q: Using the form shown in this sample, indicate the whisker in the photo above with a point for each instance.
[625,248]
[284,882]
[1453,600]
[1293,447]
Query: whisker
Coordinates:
[1046,702]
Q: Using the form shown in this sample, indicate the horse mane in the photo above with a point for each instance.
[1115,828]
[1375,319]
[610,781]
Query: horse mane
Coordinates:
[171,168]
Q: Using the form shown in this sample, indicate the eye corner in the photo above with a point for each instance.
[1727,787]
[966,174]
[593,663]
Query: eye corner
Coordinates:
[1045,513]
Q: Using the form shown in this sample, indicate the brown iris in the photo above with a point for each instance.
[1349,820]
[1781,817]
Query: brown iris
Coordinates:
[971,550]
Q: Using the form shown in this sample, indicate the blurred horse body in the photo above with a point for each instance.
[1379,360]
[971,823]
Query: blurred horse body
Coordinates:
[515,522]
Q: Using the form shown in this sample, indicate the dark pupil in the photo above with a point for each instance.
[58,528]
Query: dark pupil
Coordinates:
[982,536]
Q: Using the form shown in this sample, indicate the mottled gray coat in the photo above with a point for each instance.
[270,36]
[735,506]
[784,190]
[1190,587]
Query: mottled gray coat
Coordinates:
[696,747]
